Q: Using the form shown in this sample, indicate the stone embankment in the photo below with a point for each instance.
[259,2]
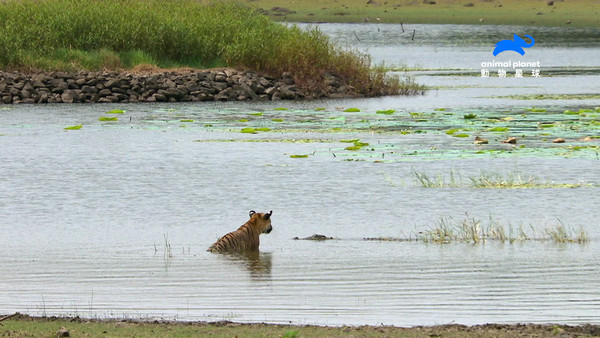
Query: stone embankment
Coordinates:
[179,86]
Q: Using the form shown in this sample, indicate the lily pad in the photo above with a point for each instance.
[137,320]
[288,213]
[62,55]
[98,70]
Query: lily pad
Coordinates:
[498,129]
[351,110]
[107,119]
[186,120]
[298,156]
[115,111]
[77,127]
[386,112]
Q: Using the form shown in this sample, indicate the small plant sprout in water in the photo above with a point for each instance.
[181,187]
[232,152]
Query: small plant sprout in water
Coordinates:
[168,252]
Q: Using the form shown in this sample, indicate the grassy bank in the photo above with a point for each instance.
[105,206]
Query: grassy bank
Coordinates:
[25,326]
[582,13]
[72,35]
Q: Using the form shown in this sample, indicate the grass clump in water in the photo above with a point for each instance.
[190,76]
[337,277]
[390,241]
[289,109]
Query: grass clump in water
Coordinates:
[473,230]
[73,35]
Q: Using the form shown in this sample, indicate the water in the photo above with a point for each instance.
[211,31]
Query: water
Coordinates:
[113,220]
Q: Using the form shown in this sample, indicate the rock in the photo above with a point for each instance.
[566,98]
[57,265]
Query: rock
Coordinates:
[63,333]
[7,99]
[104,92]
[70,96]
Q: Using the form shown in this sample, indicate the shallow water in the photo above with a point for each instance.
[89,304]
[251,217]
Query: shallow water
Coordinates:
[113,220]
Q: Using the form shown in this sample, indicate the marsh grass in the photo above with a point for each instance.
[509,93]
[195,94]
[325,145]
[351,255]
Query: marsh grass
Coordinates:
[438,181]
[491,180]
[72,35]
[473,230]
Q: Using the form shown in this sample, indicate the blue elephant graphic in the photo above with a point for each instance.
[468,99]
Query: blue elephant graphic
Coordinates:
[515,45]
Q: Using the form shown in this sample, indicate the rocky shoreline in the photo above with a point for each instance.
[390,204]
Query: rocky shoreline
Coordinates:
[167,86]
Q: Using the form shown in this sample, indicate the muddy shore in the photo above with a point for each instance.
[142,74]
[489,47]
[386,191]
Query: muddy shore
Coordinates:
[168,86]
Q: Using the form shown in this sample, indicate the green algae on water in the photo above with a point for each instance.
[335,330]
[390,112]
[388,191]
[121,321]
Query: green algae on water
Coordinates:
[351,110]
[298,156]
[115,111]
[77,127]
[386,112]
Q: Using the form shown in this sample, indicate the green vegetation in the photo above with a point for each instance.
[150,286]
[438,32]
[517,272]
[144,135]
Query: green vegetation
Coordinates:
[351,110]
[25,326]
[77,127]
[299,156]
[72,35]
[386,112]
[115,111]
[472,230]
[490,180]
[107,119]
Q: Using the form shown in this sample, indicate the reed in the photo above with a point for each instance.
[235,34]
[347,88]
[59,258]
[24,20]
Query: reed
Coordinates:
[473,230]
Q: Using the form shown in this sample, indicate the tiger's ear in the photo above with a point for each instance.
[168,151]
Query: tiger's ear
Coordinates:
[267,216]
[252,212]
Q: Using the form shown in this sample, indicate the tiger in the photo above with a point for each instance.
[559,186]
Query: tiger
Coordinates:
[245,238]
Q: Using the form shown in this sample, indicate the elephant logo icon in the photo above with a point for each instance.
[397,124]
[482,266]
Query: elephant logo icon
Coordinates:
[515,45]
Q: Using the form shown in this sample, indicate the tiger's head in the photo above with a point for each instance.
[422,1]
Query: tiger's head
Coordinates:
[261,222]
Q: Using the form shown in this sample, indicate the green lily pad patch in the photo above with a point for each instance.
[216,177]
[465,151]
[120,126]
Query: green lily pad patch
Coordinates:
[351,110]
[186,120]
[498,129]
[77,127]
[298,156]
[115,111]
[386,112]
[107,119]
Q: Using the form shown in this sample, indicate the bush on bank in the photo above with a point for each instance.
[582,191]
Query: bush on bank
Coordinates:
[72,35]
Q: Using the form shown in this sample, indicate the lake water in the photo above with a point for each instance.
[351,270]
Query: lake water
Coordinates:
[113,219]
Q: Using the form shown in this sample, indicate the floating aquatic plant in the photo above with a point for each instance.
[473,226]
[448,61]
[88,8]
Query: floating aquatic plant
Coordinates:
[280,108]
[107,119]
[351,110]
[248,130]
[115,111]
[256,114]
[243,120]
[386,112]
[469,116]
[277,120]
[77,127]
[357,145]
[298,156]
[186,120]
[498,129]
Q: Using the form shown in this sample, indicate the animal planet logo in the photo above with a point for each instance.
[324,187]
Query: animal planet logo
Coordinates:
[515,45]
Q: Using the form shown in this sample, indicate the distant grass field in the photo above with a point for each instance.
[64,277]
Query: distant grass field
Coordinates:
[581,13]
[72,35]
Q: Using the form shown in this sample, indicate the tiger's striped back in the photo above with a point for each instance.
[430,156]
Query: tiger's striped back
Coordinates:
[246,237]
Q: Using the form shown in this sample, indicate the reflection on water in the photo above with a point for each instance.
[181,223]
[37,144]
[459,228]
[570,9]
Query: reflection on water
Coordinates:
[85,213]
[258,264]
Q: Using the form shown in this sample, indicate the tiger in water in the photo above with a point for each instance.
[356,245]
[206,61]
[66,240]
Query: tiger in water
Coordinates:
[245,238]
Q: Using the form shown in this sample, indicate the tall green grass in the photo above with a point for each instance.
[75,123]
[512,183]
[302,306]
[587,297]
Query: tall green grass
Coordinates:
[72,35]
